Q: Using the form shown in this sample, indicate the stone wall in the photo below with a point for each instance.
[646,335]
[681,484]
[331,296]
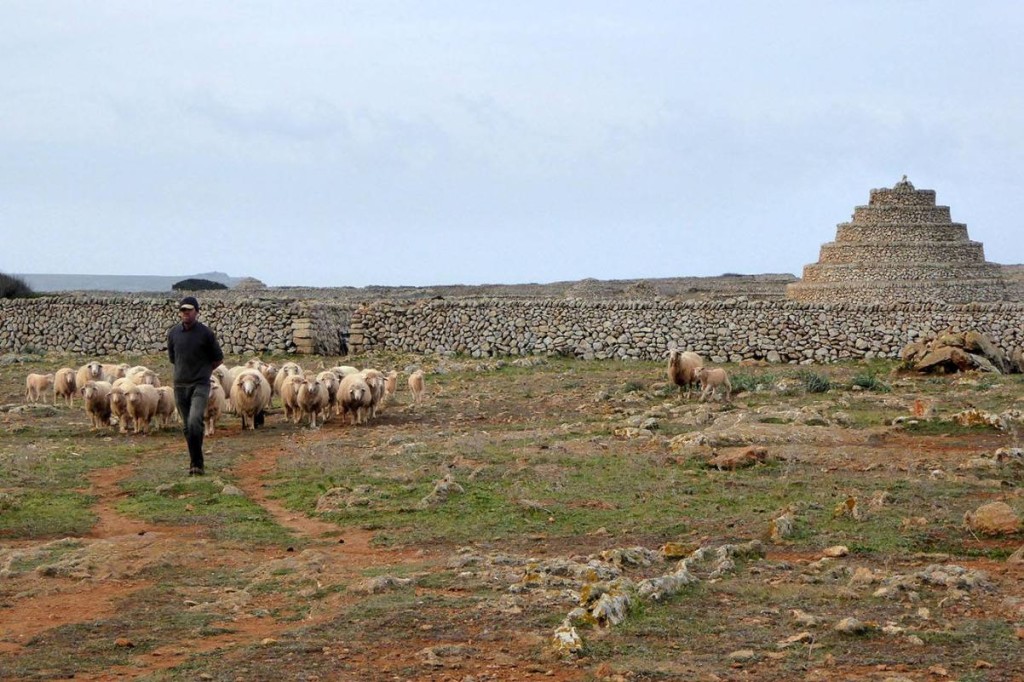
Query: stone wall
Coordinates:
[730,330]
[118,325]
[778,331]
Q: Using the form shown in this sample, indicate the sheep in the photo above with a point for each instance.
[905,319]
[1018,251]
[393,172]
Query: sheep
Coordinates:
[312,398]
[90,371]
[36,386]
[220,373]
[112,372]
[290,385]
[118,400]
[355,398]
[331,382]
[96,396]
[682,369]
[375,380]
[250,395]
[390,385]
[416,385]
[142,375]
[143,401]
[64,385]
[344,370]
[215,406]
[287,369]
[713,379]
[167,407]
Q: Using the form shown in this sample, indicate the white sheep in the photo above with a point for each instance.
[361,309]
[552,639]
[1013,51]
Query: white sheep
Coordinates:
[38,385]
[713,379]
[90,371]
[167,409]
[355,398]
[390,385]
[312,398]
[118,399]
[142,375]
[113,372]
[290,385]
[417,386]
[143,401]
[250,394]
[288,369]
[331,382]
[374,378]
[96,396]
[682,369]
[215,406]
[220,373]
[64,385]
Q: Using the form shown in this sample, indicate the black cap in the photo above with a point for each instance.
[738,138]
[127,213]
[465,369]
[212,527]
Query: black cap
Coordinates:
[189,303]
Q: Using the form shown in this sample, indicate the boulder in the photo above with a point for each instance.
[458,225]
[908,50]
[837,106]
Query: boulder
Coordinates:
[979,344]
[995,518]
[945,359]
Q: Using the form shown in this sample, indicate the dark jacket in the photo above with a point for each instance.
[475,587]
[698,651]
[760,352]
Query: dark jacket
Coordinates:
[194,353]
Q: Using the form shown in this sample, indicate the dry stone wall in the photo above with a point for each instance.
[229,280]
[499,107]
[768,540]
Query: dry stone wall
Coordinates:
[100,326]
[776,331]
[726,330]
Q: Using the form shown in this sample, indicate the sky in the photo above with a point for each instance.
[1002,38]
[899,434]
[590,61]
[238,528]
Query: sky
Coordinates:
[336,143]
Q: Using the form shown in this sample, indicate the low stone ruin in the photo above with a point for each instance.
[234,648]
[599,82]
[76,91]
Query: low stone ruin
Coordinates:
[952,351]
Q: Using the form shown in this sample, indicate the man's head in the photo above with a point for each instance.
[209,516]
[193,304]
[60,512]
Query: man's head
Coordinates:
[189,310]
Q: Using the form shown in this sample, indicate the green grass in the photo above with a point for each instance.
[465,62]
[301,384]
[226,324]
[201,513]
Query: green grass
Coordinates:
[199,501]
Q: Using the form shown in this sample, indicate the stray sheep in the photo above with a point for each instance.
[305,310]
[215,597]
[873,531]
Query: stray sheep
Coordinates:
[36,386]
[96,395]
[355,398]
[250,395]
[143,401]
[416,385]
[682,369]
[215,407]
[64,385]
[711,380]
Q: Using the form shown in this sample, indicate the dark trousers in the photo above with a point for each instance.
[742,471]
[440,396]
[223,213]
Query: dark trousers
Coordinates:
[191,402]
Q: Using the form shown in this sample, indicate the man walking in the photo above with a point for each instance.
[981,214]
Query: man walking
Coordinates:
[193,350]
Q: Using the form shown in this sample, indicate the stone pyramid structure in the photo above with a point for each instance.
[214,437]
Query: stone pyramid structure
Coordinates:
[901,248]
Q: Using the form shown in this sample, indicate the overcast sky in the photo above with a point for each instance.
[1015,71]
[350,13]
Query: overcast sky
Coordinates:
[333,143]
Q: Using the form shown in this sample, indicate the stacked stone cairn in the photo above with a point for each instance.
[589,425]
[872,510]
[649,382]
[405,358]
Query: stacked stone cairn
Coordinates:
[901,248]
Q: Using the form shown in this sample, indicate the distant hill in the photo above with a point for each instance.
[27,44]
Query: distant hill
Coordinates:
[121,283]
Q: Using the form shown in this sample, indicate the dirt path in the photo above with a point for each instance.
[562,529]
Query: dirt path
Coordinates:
[44,605]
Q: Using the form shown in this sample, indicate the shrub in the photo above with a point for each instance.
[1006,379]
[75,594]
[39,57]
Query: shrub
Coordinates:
[14,287]
[869,381]
[814,382]
[196,284]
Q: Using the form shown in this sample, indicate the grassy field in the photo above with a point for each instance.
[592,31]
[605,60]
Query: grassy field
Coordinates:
[450,540]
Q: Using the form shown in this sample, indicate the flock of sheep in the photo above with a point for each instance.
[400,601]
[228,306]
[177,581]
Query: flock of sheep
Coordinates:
[133,397]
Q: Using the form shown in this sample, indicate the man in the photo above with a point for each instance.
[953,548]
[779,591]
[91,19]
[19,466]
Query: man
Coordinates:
[193,350]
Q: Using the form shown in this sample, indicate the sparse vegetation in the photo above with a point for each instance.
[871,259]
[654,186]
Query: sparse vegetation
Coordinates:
[547,465]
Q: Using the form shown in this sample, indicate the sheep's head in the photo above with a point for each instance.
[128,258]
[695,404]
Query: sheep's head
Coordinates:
[95,369]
